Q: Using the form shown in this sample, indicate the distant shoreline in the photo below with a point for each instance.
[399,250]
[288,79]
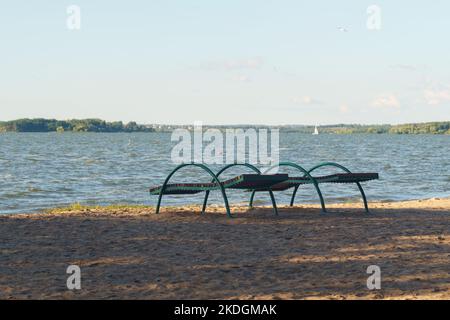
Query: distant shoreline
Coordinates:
[101,126]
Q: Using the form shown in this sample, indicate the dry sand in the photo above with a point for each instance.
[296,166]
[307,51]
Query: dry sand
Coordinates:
[180,254]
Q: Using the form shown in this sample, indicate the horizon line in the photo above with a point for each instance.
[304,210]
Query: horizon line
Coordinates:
[229,124]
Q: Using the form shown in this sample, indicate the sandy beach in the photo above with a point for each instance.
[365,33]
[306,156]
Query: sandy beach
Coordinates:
[131,253]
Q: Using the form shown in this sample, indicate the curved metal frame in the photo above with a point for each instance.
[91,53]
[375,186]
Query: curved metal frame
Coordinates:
[306,173]
[202,166]
[337,165]
[215,178]
[272,197]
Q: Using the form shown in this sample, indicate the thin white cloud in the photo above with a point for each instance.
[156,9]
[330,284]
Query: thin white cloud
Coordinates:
[251,63]
[237,64]
[306,100]
[242,78]
[436,96]
[406,67]
[386,101]
[342,29]
[343,108]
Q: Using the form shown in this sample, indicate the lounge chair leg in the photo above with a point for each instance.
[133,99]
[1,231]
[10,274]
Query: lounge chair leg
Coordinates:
[322,202]
[274,204]
[272,198]
[159,202]
[250,204]
[363,197]
[293,196]
[225,199]
[205,201]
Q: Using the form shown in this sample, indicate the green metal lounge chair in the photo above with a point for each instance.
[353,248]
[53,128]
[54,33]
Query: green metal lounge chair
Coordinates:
[307,178]
[261,182]
[256,181]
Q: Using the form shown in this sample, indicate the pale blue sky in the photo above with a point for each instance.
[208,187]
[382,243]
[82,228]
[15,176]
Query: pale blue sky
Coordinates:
[226,62]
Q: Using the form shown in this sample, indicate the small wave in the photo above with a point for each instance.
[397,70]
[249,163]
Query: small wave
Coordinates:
[87,160]
[34,189]
[22,193]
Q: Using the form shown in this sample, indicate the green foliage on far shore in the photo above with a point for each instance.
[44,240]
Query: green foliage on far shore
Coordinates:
[421,128]
[86,125]
[413,128]
[97,125]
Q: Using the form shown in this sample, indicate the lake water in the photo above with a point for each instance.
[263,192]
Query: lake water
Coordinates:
[42,170]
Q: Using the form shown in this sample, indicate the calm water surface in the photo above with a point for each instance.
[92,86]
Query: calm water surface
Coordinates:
[41,170]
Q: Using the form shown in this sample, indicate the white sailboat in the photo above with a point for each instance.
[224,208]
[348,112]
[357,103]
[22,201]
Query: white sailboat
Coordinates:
[316,131]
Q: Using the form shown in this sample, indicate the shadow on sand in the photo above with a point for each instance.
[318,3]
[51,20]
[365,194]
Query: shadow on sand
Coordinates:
[183,255]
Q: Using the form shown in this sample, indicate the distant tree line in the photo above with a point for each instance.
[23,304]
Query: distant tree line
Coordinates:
[413,128]
[97,125]
[420,128]
[86,125]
